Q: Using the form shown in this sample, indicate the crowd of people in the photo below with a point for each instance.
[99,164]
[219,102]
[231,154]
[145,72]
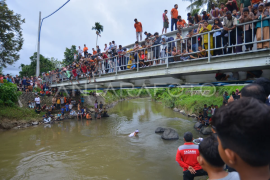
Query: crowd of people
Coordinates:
[67,106]
[158,49]
[238,141]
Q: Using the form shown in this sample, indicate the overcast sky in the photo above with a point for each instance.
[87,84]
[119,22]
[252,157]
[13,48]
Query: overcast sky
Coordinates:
[72,25]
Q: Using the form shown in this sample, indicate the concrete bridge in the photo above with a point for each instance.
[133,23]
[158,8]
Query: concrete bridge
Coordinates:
[195,71]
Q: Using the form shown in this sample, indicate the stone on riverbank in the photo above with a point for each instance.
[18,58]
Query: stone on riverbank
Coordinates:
[176,110]
[35,123]
[206,130]
[183,112]
[192,115]
[170,134]
[160,130]
[197,124]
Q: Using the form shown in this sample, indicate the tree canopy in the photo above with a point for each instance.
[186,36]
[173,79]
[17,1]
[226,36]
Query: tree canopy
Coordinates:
[69,55]
[46,64]
[11,37]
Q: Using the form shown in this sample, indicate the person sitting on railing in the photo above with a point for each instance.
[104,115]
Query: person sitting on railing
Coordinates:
[179,40]
[146,63]
[202,52]
[176,54]
[148,44]
[181,23]
[197,18]
[262,31]
[141,58]
[192,38]
[205,28]
[246,17]
[229,25]
[206,16]
[135,49]
[217,36]
[214,12]
[184,56]
[192,56]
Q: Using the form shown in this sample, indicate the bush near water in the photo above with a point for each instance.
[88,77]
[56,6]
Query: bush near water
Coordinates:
[181,98]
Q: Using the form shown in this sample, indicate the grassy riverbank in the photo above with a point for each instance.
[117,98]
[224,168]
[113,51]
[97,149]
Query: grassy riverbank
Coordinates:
[17,113]
[189,99]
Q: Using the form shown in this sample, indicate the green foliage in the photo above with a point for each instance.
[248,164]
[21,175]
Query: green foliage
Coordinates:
[200,4]
[11,38]
[46,65]
[69,55]
[8,94]
[21,113]
[98,27]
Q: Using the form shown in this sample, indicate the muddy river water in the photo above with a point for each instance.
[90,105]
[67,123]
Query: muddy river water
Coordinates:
[98,149]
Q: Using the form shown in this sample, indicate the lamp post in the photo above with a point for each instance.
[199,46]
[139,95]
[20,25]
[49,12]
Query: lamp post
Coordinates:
[38,47]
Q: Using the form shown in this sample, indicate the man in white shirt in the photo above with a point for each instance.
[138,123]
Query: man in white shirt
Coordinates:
[134,133]
[80,51]
[37,100]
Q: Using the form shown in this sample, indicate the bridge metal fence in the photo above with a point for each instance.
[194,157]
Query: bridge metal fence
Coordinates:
[162,54]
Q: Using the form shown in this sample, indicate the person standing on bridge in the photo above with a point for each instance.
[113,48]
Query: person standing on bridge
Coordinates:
[174,15]
[139,29]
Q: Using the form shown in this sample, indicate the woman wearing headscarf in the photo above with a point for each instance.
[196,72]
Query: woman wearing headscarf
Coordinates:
[217,36]
[207,27]
[264,30]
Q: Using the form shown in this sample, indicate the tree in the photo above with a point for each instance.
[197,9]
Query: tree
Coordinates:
[10,35]
[200,4]
[46,65]
[69,55]
[99,28]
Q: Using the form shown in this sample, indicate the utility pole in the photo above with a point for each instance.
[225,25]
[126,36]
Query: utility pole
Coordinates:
[38,47]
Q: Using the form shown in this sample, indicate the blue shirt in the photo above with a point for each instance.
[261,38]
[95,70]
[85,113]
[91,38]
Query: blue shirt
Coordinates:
[66,106]
[82,99]
[82,110]
[62,110]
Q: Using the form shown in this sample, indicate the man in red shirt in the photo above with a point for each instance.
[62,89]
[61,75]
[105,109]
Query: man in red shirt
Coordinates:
[138,27]
[174,15]
[187,155]
[75,75]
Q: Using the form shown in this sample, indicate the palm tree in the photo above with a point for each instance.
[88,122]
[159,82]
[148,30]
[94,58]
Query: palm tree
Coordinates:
[99,28]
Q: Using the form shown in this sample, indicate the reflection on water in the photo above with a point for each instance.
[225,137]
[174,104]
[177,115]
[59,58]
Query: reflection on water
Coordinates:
[98,149]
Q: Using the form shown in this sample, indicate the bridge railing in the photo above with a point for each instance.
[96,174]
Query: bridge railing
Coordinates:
[175,51]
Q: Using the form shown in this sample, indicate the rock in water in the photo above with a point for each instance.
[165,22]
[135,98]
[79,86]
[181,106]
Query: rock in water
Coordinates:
[206,130]
[170,134]
[159,130]
[197,124]
[175,109]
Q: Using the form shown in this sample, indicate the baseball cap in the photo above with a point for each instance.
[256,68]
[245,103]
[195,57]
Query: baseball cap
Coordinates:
[137,131]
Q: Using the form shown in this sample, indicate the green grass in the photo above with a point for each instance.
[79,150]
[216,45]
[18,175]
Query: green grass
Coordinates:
[176,97]
[17,113]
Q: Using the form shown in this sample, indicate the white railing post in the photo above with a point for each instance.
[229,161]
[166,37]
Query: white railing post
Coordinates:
[209,47]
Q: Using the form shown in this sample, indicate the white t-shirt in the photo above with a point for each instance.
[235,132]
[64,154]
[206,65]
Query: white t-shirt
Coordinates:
[70,106]
[80,51]
[132,134]
[213,110]
[269,97]
[75,56]
[37,100]
[231,176]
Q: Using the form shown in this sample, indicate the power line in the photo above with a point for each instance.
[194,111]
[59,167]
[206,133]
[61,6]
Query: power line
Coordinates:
[49,16]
